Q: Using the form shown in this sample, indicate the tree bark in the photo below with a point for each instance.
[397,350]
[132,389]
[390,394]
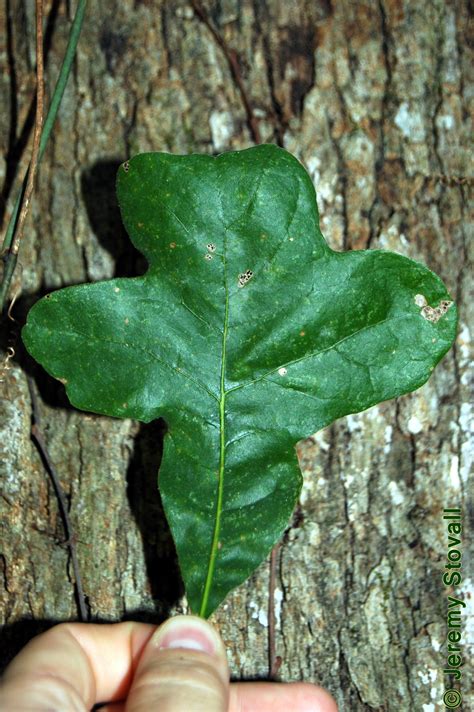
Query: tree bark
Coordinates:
[373,98]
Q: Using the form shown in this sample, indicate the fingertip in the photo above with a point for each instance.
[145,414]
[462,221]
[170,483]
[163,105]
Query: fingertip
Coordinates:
[189,632]
[183,666]
[313,698]
[280,697]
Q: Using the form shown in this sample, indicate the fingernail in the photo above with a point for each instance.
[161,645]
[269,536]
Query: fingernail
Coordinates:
[186,632]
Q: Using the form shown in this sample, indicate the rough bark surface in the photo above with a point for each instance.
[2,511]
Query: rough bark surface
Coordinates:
[373,97]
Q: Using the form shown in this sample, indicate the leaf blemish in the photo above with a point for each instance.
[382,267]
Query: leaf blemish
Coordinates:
[208,257]
[172,245]
[126,166]
[127,320]
[244,277]
[429,313]
[116,290]
[211,247]
[282,371]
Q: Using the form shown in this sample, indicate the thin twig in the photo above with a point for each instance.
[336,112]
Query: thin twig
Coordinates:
[234,66]
[10,258]
[37,436]
[274,661]
[30,183]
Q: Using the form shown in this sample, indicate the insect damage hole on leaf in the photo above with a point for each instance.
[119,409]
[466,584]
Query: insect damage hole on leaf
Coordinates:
[244,277]
[429,313]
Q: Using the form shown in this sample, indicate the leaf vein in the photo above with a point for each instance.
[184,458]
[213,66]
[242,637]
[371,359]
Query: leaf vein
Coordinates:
[153,355]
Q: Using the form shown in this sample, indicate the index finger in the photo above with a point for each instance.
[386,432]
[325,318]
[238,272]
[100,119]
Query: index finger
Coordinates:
[73,666]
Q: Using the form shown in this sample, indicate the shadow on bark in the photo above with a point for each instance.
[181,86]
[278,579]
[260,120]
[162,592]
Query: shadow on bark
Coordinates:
[17,635]
[161,561]
[98,192]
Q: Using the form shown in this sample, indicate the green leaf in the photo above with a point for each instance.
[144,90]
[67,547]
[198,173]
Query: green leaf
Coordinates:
[246,334]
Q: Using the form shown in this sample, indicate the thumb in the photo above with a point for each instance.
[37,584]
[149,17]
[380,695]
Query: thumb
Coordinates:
[183,667]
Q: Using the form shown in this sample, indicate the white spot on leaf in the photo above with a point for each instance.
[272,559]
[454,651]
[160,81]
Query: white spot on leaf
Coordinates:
[282,371]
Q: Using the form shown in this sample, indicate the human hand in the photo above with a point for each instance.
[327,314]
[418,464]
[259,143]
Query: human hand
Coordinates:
[134,667]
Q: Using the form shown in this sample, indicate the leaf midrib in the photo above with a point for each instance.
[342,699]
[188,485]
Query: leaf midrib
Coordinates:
[220,480]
